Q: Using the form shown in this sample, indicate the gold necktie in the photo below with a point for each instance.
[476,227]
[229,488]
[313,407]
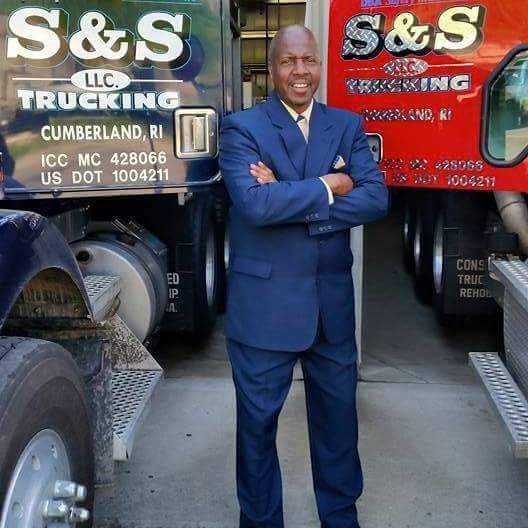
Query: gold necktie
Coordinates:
[303,125]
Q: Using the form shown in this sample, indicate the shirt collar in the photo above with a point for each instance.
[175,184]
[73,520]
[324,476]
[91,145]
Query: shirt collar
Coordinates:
[306,114]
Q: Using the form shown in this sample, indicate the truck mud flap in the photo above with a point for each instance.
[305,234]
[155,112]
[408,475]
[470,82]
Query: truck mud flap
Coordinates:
[465,272]
[463,291]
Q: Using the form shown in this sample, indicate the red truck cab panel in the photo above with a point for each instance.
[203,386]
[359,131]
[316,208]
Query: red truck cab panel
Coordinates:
[443,82]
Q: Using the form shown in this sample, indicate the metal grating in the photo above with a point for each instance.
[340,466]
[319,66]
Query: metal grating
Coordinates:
[95,284]
[131,392]
[505,397]
[513,274]
[102,290]
[516,340]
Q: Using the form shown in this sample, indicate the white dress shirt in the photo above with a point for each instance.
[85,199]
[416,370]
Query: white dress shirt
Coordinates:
[304,125]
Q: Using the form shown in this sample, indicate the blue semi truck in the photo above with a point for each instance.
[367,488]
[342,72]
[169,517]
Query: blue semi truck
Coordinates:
[111,227]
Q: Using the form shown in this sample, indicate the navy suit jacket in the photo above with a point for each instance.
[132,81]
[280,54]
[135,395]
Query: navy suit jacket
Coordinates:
[290,257]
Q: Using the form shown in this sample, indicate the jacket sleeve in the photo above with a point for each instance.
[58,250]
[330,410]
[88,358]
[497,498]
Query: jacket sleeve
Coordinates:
[367,201]
[281,202]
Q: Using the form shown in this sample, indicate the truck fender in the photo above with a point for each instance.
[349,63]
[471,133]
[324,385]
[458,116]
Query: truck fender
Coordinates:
[35,256]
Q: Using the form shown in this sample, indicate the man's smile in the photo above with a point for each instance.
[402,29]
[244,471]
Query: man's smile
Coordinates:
[300,87]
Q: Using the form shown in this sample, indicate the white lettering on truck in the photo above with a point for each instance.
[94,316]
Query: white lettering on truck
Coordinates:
[459,31]
[97,42]
[471,265]
[477,288]
[173,43]
[45,42]
[44,100]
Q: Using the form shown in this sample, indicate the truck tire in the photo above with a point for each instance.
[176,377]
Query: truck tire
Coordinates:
[459,258]
[208,248]
[408,231]
[223,250]
[439,266]
[46,433]
[423,248]
[223,234]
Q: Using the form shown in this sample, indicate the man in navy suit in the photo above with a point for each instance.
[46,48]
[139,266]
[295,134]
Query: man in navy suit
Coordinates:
[299,175]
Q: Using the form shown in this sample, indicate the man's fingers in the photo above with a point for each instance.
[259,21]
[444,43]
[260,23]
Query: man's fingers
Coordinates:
[261,177]
[257,169]
[257,172]
[260,165]
[265,168]
[262,173]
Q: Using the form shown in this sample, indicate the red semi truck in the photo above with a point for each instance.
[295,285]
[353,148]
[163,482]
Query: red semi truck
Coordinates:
[442,86]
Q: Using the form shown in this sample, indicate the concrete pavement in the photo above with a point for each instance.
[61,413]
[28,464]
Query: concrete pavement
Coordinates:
[433,453]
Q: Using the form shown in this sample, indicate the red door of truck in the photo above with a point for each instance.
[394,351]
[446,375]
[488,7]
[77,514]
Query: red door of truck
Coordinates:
[443,83]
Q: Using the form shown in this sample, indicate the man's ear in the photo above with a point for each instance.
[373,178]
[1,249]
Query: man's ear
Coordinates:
[270,71]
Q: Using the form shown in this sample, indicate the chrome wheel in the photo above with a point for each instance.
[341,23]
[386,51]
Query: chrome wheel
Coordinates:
[210,267]
[406,227]
[438,254]
[417,248]
[226,247]
[40,492]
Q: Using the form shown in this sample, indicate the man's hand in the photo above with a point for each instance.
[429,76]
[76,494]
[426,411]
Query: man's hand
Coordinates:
[339,182]
[262,173]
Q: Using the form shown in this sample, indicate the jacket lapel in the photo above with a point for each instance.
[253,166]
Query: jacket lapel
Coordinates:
[322,142]
[290,133]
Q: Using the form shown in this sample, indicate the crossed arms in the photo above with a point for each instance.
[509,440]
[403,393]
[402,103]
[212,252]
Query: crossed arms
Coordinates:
[275,202]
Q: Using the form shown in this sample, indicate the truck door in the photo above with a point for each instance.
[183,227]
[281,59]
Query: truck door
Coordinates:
[122,98]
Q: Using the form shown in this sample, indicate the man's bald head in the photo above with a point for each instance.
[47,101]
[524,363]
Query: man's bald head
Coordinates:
[295,66]
[290,32]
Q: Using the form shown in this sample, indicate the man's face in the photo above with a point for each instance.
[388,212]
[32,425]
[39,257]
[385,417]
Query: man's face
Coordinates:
[295,69]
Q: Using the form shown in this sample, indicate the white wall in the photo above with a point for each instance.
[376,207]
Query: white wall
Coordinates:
[317,17]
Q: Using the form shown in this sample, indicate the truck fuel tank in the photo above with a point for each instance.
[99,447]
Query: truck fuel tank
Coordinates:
[129,251]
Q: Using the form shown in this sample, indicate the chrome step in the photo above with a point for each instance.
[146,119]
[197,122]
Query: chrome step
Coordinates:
[513,274]
[505,398]
[131,393]
[102,290]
